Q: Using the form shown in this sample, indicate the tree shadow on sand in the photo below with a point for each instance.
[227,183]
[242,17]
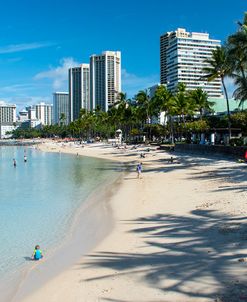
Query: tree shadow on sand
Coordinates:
[199,255]
[234,175]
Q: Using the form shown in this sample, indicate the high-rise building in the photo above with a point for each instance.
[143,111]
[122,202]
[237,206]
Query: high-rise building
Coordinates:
[105,79]
[61,107]
[44,113]
[7,119]
[182,58]
[7,113]
[78,90]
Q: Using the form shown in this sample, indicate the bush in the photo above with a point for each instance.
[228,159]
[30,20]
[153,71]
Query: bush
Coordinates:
[238,141]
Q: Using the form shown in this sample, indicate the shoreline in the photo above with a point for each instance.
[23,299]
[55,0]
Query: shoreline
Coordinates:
[78,240]
[178,215]
[14,288]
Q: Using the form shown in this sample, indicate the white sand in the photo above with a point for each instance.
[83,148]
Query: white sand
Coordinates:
[178,234]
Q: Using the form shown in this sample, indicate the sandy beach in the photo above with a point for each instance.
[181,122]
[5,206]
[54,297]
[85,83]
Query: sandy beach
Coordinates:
[179,233]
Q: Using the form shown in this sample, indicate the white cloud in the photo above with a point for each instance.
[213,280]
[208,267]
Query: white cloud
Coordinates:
[22,47]
[132,83]
[58,75]
[16,88]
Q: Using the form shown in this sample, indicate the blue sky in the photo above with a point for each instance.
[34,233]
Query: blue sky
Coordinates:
[41,39]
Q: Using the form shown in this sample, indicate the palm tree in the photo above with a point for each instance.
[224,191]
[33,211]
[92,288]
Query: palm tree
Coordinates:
[237,51]
[241,92]
[143,101]
[145,108]
[200,99]
[162,98]
[219,67]
[62,119]
[164,102]
[182,104]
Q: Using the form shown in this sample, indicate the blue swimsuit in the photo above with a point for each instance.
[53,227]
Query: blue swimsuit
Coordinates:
[37,254]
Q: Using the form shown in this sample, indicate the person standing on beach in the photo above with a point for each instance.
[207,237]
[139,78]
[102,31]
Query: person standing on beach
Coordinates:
[139,170]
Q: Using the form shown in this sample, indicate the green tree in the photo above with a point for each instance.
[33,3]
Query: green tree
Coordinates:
[219,67]
[145,109]
[237,52]
[145,106]
[200,100]
[164,102]
[62,119]
[182,104]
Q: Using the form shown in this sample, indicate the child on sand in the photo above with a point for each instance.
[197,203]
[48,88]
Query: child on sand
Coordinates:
[37,253]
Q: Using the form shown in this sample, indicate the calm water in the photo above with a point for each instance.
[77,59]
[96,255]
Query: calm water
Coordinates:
[39,198]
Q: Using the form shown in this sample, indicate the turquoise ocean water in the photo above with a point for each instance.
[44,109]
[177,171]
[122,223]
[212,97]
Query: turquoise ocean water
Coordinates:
[39,198]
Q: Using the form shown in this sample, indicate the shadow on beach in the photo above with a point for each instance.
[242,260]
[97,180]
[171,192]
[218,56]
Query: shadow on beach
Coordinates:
[200,255]
[220,169]
[195,252]
[28,258]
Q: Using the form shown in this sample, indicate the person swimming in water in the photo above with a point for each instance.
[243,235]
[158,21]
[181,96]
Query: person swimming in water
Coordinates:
[25,158]
[14,162]
[37,253]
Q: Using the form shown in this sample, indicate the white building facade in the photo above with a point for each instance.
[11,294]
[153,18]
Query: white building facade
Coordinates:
[31,113]
[7,119]
[44,113]
[61,106]
[79,91]
[182,58]
[7,113]
[105,79]
[23,115]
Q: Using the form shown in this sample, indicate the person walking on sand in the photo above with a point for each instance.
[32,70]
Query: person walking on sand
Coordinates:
[139,170]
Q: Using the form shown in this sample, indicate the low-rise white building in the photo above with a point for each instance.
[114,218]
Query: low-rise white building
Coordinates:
[23,115]
[40,114]
[5,130]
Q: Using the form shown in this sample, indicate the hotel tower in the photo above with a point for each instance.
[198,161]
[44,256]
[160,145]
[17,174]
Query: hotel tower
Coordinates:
[105,79]
[61,106]
[182,58]
[78,90]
